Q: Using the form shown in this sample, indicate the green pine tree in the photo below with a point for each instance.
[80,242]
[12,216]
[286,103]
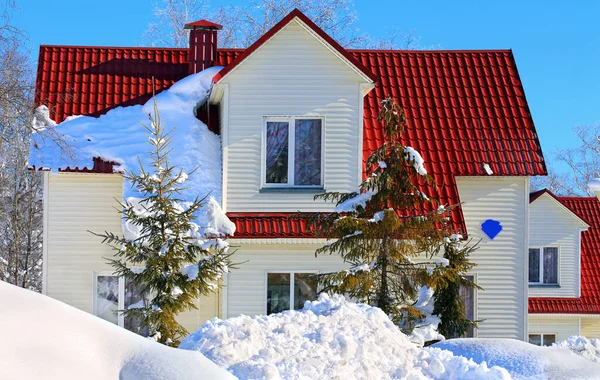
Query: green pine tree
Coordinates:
[169,260]
[448,304]
[383,226]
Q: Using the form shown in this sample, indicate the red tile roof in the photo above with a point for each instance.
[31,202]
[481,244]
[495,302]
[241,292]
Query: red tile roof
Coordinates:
[588,209]
[464,108]
[91,80]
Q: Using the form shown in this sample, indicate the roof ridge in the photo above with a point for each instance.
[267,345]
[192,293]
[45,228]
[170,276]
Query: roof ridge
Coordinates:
[429,51]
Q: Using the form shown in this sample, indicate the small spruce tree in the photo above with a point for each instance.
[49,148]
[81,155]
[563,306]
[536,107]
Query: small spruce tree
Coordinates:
[448,304]
[381,227]
[169,259]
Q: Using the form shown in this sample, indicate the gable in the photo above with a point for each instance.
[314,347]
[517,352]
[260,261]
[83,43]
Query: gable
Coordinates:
[310,27]
[297,47]
[550,209]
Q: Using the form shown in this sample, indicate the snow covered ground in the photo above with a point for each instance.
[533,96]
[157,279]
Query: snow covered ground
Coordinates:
[331,338]
[328,339]
[524,360]
[41,338]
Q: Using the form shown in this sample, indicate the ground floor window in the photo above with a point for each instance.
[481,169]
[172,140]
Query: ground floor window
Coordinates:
[542,339]
[289,290]
[468,297]
[111,294]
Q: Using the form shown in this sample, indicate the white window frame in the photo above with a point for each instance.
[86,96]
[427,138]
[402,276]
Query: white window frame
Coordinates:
[121,289]
[542,337]
[291,284]
[291,120]
[541,269]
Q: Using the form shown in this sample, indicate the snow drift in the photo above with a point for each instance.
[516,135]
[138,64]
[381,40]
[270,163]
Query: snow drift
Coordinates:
[328,339]
[582,346]
[523,360]
[45,339]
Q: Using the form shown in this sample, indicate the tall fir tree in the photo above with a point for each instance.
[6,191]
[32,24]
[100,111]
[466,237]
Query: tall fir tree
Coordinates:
[448,304]
[168,257]
[383,226]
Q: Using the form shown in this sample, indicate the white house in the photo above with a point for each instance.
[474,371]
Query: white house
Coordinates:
[467,116]
[564,267]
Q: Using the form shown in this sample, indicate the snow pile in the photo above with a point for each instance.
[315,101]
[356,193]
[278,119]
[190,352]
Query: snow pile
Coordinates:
[119,136]
[523,360]
[426,329]
[328,339]
[48,339]
[588,348]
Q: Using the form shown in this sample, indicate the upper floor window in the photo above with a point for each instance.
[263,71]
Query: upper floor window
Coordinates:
[543,266]
[293,152]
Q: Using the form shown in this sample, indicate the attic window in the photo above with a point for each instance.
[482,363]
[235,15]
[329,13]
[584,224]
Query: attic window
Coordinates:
[292,152]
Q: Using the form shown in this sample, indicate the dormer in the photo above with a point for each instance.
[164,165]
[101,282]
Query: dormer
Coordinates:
[554,247]
[291,120]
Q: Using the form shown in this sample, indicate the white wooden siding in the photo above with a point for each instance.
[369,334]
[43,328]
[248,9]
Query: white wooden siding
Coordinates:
[551,225]
[246,288]
[77,203]
[291,75]
[562,327]
[502,303]
[590,328]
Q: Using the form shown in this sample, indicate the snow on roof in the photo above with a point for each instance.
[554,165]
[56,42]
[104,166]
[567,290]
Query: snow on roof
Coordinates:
[329,338]
[119,136]
[48,339]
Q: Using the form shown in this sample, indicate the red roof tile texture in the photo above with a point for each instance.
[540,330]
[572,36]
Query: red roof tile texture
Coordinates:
[85,80]
[588,209]
[464,108]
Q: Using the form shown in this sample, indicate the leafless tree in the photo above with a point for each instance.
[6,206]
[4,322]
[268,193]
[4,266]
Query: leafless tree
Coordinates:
[244,24]
[582,163]
[20,189]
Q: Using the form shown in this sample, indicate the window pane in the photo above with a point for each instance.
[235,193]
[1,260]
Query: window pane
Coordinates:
[133,297]
[107,298]
[278,292]
[305,288]
[549,339]
[307,156]
[551,265]
[468,297]
[535,339]
[277,152]
[534,265]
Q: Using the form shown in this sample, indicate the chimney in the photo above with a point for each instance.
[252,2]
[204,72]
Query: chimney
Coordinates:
[203,45]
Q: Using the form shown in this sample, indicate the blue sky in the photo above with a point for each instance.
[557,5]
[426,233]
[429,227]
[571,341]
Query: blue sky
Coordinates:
[556,45]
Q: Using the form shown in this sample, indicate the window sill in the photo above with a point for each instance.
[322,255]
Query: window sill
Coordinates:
[544,285]
[294,190]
